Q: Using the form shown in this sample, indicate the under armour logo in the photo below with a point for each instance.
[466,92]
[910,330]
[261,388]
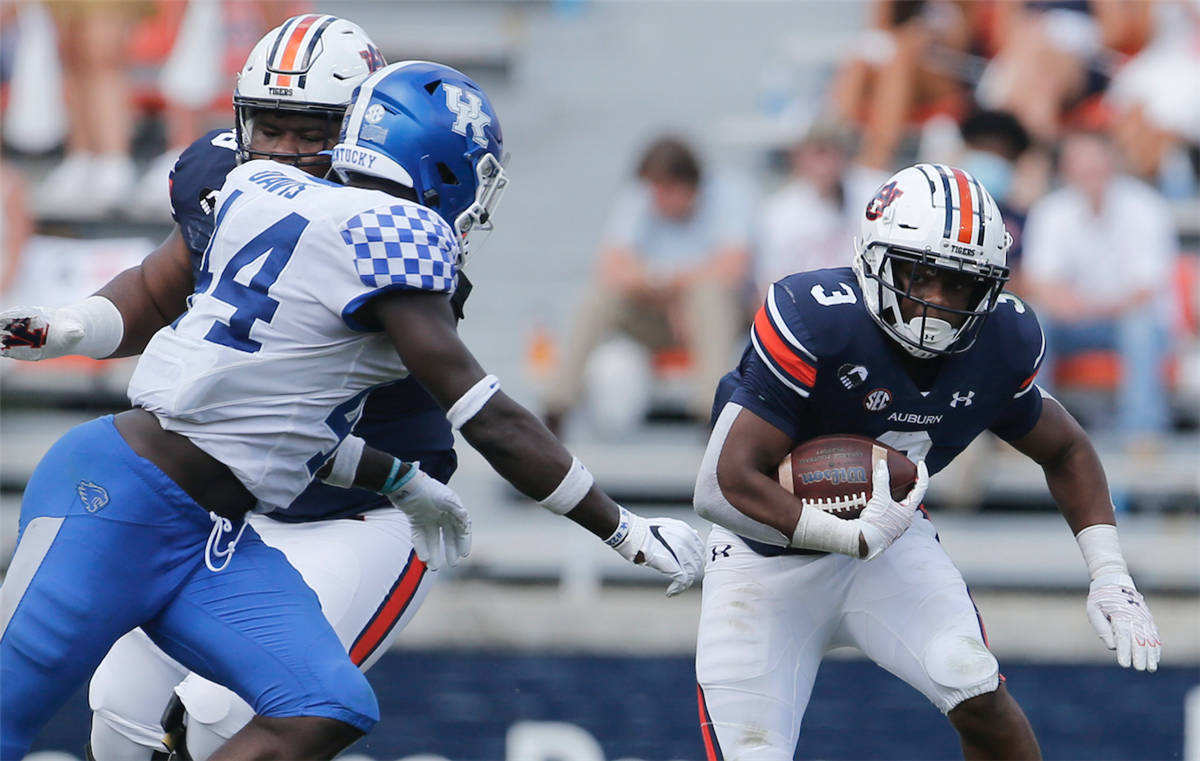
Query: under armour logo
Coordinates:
[723,553]
[92,495]
[960,399]
[469,111]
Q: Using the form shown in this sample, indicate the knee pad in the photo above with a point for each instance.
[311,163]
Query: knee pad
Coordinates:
[960,662]
[214,714]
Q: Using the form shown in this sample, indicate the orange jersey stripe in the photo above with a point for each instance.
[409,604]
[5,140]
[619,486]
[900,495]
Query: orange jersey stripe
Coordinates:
[966,209]
[1030,379]
[292,47]
[781,352]
[389,613]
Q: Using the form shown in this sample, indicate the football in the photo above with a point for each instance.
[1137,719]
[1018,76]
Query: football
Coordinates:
[834,472]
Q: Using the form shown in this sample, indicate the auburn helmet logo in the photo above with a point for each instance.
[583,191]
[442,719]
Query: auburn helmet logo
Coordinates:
[883,199]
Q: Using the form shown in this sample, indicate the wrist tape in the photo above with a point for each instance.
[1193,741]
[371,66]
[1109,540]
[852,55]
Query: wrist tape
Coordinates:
[470,403]
[393,484]
[345,462]
[818,530]
[102,323]
[1101,550]
[570,491]
[630,535]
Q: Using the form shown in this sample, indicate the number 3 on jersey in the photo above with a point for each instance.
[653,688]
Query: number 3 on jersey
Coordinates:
[270,250]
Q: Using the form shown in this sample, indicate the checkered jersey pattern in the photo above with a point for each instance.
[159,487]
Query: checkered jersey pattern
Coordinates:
[405,245]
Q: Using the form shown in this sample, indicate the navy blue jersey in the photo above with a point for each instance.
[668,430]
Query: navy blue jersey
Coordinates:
[400,418]
[819,364]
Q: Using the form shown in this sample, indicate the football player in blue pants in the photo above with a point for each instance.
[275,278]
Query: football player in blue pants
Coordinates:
[917,346]
[188,430]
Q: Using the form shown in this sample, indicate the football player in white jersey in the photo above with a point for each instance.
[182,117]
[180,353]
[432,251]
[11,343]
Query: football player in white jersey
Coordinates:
[290,100]
[916,346]
[311,295]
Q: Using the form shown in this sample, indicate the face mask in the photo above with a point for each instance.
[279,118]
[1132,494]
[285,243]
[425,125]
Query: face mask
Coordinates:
[992,171]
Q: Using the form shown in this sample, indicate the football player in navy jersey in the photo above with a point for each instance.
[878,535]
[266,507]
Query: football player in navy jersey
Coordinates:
[289,103]
[919,347]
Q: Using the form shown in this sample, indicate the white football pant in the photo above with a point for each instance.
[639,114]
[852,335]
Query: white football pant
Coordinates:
[766,623]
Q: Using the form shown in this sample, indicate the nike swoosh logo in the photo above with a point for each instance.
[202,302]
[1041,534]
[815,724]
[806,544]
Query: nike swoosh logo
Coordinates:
[658,536]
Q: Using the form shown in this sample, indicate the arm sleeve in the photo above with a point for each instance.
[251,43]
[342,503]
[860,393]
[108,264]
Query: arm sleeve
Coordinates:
[1021,414]
[711,504]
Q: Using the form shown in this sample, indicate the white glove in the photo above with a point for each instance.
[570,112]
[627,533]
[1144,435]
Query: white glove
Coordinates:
[667,545]
[436,513]
[1119,615]
[883,520]
[92,328]
[33,333]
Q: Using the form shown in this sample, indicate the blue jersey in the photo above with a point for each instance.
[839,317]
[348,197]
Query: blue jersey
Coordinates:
[819,364]
[400,418]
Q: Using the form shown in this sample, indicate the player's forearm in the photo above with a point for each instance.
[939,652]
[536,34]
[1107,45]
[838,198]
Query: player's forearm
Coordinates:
[153,294]
[521,450]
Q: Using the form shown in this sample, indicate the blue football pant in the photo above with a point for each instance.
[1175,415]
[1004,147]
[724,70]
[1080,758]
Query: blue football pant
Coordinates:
[108,543]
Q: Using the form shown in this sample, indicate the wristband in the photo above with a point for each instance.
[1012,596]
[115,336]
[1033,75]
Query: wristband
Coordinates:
[470,403]
[393,484]
[102,323]
[818,530]
[624,523]
[570,491]
[345,462]
[1101,550]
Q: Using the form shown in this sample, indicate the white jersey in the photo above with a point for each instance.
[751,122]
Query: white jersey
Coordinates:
[268,369]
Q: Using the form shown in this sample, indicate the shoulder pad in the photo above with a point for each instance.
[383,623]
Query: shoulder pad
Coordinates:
[403,244]
[1014,328]
[198,175]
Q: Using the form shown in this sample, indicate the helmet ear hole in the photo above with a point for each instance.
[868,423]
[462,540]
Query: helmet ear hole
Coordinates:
[448,176]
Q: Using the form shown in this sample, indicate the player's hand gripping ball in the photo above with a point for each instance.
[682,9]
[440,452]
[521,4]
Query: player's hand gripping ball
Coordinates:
[834,472]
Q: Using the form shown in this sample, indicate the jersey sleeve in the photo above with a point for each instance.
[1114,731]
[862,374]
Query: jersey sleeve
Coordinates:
[195,182]
[779,374]
[1026,348]
[400,247]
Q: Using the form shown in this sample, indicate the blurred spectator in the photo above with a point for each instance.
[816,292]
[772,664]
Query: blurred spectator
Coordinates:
[1156,97]
[810,223]
[1055,54]
[672,270]
[16,226]
[98,171]
[902,72]
[994,144]
[1099,258]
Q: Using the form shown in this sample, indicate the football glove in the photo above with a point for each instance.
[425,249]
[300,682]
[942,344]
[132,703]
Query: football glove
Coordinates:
[92,328]
[884,519]
[1119,615]
[33,333]
[437,515]
[667,545]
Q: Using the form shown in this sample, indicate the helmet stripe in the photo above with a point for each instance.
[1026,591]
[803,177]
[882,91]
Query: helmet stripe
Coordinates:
[981,194]
[311,48]
[288,59]
[966,213]
[941,170]
[275,49]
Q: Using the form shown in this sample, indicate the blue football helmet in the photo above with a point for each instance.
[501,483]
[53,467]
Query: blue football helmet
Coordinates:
[430,128]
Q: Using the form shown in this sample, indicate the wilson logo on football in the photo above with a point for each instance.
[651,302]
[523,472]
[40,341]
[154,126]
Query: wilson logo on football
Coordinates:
[851,475]
[883,199]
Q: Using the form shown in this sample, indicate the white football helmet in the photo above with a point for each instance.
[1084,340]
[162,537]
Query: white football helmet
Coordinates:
[937,216]
[310,64]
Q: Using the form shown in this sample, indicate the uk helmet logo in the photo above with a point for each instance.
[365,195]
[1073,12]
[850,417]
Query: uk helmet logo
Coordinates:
[883,199]
[878,400]
[468,110]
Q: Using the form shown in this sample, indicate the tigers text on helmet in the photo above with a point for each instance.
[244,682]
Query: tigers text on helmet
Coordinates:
[937,216]
[309,65]
[430,128]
